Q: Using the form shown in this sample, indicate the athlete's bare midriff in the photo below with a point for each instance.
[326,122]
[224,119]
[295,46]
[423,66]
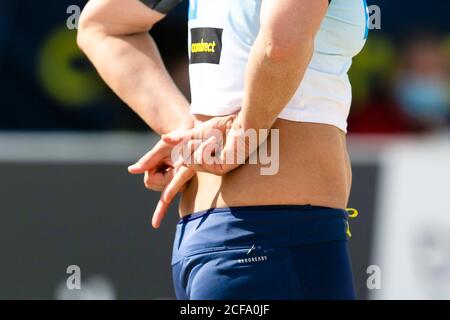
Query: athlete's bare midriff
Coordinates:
[314,169]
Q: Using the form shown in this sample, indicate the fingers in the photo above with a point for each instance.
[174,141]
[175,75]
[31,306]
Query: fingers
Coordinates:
[157,181]
[180,178]
[205,157]
[160,213]
[226,121]
[172,182]
[199,149]
[176,137]
[212,158]
[148,161]
[186,152]
[215,126]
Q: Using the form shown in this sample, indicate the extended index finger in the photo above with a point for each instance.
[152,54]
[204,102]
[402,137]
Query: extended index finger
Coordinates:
[148,161]
[179,136]
[183,175]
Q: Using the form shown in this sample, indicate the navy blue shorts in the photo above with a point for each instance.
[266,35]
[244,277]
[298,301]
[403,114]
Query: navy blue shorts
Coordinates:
[263,252]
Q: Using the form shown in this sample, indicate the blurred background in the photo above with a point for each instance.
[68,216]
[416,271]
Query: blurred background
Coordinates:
[66,140]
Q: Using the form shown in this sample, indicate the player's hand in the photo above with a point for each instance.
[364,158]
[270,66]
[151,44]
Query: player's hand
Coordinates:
[159,169]
[179,177]
[156,165]
[216,146]
[181,145]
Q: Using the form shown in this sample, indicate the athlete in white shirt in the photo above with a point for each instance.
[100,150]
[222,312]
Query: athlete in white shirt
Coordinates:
[254,64]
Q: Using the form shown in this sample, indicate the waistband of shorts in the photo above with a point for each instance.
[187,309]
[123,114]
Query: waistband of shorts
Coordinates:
[200,214]
[266,226]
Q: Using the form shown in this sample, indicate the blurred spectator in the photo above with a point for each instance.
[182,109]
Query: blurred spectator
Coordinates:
[423,83]
[380,114]
[416,100]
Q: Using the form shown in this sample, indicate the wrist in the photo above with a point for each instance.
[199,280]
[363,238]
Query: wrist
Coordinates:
[253,123]
[258,128]
[184,123]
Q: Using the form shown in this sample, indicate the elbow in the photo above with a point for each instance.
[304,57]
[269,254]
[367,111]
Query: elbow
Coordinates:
[82,38]
[115,18]
[85,29]
[97,19]
[285,50]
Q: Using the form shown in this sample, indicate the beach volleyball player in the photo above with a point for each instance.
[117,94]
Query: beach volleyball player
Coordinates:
[254,65]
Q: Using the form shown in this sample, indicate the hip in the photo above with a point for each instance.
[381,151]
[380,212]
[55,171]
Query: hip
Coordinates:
[263,252]
[271,226]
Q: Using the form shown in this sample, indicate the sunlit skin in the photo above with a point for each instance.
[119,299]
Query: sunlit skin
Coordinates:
[314,167]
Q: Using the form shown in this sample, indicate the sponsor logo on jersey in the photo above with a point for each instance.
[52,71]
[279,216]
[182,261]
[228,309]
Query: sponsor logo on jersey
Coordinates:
[203,46]
[206,45]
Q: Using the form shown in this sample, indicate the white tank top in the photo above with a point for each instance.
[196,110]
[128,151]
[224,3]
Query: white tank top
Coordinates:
[221,35]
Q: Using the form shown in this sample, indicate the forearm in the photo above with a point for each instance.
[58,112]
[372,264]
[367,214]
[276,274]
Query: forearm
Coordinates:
[270,84]
[279,58]
[132,67]
[114,36]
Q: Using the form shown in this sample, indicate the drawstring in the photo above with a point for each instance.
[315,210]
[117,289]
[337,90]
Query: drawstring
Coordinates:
[352,213]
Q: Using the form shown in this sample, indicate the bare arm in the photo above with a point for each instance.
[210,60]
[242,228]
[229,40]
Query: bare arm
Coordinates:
[277,63]
[279,58]
[114,36]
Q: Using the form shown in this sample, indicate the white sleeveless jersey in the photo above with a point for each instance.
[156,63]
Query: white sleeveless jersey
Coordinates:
[221,35]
